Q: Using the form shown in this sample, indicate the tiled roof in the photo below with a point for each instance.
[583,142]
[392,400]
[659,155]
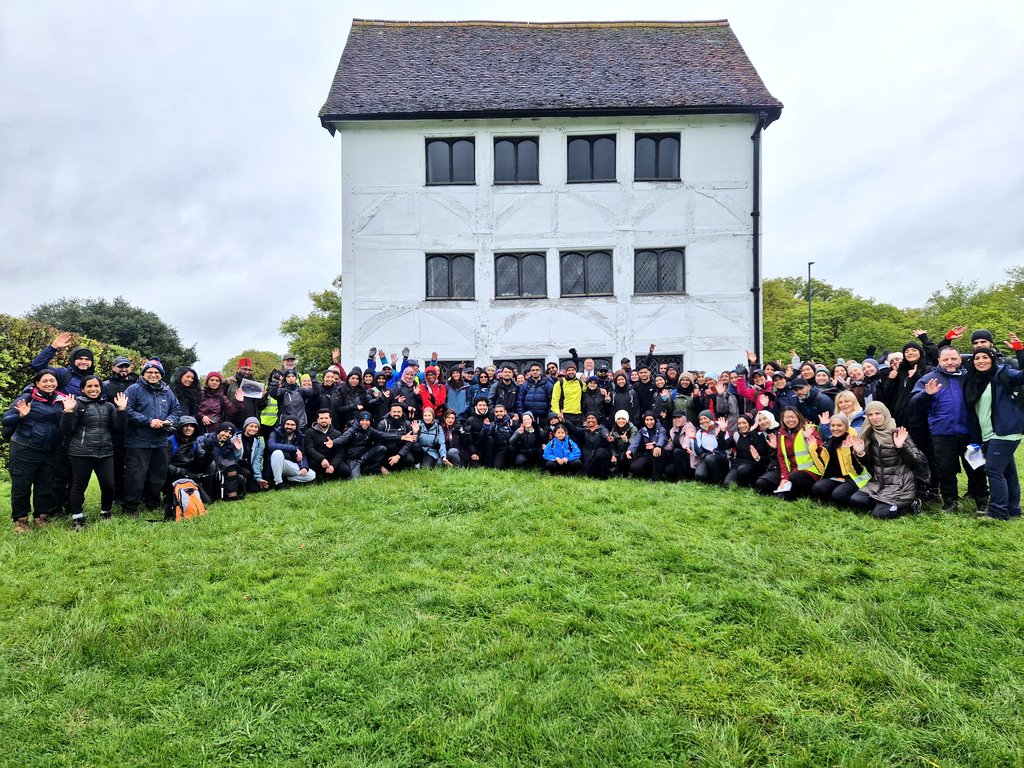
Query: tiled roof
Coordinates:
[419,70]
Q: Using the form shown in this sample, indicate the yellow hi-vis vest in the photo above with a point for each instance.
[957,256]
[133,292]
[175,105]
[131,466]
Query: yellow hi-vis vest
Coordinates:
[269,416]
[847,467]
[806,458]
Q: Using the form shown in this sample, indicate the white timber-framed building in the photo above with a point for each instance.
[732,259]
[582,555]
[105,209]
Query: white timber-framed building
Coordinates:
[511,190]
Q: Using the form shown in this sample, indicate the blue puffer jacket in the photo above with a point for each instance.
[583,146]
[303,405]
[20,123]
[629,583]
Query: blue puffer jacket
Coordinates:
[1007,418]
[145,403]
[947,411]
[535,398]
[561,449]
[458,399]
[40,428]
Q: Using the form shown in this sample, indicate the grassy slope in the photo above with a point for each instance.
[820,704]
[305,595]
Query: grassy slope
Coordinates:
[501,619]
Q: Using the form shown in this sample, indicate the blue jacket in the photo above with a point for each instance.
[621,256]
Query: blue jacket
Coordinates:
[458,399]
[279,442]
[814,405]
[535,398]
[39,429]
[1007,418]
[146,403]
[947,411]
[69,379]
[561,449]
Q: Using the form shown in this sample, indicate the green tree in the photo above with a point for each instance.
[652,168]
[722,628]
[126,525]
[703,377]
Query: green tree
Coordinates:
[117,322]
[312,338]
[263,363]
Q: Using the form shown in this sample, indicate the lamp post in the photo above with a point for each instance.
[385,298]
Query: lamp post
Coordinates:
[809,354]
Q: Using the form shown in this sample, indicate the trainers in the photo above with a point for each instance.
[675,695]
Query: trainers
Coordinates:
[42,520]
[951,506]
[105,515]
[915,508]
[21,525]
[981,504]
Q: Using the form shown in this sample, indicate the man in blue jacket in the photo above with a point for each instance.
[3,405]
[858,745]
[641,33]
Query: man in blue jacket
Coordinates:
[153,412]
[287,459]
[535,395]
[938,393]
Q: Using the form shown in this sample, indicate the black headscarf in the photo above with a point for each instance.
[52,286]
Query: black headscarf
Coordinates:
[976,382]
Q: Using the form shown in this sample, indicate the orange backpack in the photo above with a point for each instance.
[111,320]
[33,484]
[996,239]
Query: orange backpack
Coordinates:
[188,501]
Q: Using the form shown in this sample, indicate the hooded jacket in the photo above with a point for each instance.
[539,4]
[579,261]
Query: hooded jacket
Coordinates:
[147,402]
[69,380]
[40,428]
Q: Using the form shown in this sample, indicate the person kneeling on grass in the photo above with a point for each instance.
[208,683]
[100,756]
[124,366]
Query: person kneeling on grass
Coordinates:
[562,455]
[224,448]
[287,461]
[892,458]
[323,449]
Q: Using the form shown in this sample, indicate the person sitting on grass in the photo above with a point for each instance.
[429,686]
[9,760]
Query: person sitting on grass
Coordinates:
[796,445]
[287,460]
[646,450]
[322,447]
[561,454]
[525,444]
[431,445]
[891,457]
[402,436]
[844,474]
[253,448]
[224,448]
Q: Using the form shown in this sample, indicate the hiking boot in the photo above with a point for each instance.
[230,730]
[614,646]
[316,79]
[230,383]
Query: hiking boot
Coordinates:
[21,525]
[105,515]
[951,505]
[915,508]
[42,520]
[981,504]
[79,524]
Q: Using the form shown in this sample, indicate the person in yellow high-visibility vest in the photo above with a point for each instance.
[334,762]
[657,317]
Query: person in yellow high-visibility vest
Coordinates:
[797,445]
[844,474]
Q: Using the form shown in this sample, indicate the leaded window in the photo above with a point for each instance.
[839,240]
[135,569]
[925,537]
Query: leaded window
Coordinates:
[521,275]
[586,273]
[449,276]
[661,270]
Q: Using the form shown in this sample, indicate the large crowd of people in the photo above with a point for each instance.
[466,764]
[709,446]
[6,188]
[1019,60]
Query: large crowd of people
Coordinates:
[880,435]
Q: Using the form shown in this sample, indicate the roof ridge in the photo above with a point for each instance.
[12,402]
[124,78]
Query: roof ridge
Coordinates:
[544,24]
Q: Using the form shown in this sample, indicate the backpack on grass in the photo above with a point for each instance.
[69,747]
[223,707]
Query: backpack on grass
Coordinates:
[187,500]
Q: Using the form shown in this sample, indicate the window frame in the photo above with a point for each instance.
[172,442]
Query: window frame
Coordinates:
[515,141]
[660,252]
[450,257]
[657,137]
[450,141]
[519,256]
[586,254]
[592,139]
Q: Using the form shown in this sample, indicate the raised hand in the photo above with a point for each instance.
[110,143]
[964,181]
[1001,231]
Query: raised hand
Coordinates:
[911,372]
[849,441]
[723,424]
[336,355]
[23,407]
[68,401]
[809,431]
[763,401]
[239,395]
[754,454]
[899,436]
[932,386]
[956,332]
[823,417]
[62,340]
[121,401]
[751,357]
[773,441]
[893,372]
[858,446]
[720,388]
[1015,343]
[919,332]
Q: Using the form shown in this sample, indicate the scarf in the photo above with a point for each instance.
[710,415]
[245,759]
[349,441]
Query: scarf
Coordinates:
[976,382]
[883,433]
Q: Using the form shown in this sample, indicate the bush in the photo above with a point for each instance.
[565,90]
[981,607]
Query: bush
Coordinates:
[21,340]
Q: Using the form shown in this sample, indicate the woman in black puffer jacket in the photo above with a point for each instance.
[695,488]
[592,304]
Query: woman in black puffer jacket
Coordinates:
[88,424]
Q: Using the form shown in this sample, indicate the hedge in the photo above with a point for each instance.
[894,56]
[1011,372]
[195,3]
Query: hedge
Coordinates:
[21,340]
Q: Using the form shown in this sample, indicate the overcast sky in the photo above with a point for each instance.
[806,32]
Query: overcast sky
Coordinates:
[171,152]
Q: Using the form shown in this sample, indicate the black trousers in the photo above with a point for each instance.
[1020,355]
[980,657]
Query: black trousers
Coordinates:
[831,491]
[145,470]
[82,468]
[61,498]
[949,455]
[598,464]
[527,460]
[647,465]
[712,469]
[32,480]
[743,474]
[573,467]
[119,457]
[768,482]
[678,465]
[801,484]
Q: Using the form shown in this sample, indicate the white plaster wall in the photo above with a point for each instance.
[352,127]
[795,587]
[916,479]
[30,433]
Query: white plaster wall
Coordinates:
[391,219]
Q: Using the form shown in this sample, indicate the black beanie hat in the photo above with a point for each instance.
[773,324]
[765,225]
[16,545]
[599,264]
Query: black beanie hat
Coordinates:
[982,334]
[913,345]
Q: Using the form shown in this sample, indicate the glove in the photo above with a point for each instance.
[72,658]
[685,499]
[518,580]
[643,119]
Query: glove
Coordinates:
[740,370]
[572,352]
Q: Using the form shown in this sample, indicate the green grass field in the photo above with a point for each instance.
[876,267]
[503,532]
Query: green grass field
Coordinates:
[495,619]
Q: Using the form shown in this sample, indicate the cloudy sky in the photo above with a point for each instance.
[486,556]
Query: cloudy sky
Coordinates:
[171,153]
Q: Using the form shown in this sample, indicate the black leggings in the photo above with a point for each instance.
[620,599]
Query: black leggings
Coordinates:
[743,474]
[82,468]
[830,491]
